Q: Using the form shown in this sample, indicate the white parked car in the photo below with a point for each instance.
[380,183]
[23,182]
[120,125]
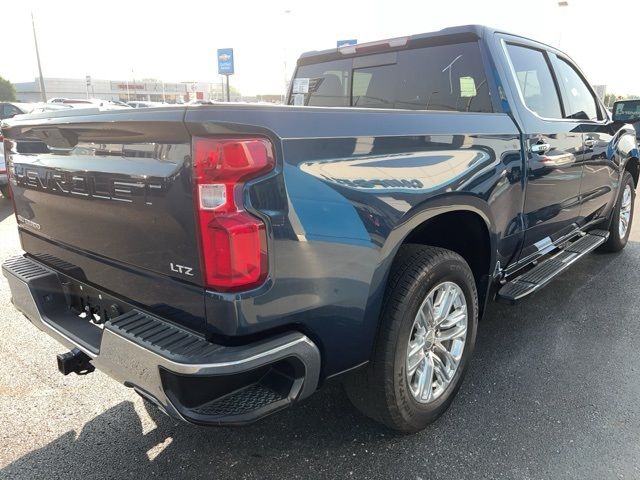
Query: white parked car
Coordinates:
[4,180]
[142,104]
[87,102]
[9,110]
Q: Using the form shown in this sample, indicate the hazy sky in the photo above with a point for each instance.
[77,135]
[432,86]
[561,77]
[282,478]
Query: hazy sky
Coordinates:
[177,40]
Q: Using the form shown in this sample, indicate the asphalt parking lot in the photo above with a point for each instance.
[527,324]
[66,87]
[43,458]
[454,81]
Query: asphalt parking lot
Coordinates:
[552,393]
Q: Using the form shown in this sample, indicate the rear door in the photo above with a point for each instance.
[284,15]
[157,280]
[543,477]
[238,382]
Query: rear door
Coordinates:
[553,145]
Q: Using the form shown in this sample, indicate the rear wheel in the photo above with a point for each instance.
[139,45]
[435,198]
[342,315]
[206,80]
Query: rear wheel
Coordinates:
[620,227]
[425,341]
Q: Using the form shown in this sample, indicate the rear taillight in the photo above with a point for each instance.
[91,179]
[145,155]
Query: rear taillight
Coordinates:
[233,242]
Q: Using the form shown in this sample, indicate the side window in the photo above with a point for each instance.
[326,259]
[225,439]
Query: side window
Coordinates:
[7,111]
[535,81]
[12,111]
[576,96]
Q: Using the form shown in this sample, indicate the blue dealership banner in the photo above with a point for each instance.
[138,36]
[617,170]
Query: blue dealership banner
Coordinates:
[225,61]
[347,43]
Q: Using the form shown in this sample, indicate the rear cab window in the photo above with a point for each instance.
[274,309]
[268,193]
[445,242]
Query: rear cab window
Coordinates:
[443,77]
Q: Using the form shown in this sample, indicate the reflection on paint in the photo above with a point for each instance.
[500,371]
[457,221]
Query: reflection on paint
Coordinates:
[413,171]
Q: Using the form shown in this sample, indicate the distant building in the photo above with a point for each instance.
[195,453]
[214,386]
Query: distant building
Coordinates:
[123,90]
[601,91]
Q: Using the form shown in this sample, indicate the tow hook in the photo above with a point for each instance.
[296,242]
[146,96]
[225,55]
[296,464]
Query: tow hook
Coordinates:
[75,361]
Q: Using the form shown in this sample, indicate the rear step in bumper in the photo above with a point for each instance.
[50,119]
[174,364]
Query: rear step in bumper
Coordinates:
[545,271]
[187,376]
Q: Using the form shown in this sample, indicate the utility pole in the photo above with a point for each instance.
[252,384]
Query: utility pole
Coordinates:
[285,15]
[562,4]
[135,90]
[43,92]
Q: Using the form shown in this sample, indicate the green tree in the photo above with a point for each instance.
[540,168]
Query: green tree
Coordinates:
[7,91]
[609,98]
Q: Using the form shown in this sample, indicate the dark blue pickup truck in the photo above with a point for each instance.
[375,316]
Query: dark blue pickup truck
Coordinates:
[226,261]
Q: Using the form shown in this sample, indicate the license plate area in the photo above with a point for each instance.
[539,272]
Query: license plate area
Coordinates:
[90,304]
[54,302]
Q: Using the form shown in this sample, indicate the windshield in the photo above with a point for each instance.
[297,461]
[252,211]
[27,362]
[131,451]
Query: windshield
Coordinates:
[443,77]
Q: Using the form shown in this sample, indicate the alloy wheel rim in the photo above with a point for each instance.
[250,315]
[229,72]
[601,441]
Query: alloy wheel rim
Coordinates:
[625,212]
[437,341]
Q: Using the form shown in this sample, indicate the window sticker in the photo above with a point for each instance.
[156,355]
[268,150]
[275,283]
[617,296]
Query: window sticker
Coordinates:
[361,82]
[300,85]
[467,87]
[298,99]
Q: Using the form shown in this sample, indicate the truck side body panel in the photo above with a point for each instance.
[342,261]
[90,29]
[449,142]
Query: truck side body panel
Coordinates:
[355,189]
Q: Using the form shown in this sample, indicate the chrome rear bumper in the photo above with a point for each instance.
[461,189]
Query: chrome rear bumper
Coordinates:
[183,373]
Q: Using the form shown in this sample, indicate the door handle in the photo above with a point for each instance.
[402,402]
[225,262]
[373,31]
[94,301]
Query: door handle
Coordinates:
[589,142]
[540,148]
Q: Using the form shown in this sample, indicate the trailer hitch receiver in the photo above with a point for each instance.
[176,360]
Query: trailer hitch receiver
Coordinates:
[75,361]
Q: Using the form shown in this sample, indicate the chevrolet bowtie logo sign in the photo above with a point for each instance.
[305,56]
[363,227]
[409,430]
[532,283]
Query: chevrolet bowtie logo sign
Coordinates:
[225,61]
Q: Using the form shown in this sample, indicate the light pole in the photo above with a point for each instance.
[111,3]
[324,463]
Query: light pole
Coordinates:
[43,92]
[284,51]
[561,5]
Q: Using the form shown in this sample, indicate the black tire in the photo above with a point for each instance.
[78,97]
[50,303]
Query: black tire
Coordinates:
[381,390]
[4,190]
[615,242]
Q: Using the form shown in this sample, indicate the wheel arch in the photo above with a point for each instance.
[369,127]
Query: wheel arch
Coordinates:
[624,146]
[632,165]
[434,220]
[414,224]
[462,231]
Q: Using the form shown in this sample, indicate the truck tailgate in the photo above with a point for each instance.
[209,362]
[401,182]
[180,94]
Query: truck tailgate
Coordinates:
[112,195]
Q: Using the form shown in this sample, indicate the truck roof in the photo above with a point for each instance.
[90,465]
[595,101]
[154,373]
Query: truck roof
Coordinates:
[457,34]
